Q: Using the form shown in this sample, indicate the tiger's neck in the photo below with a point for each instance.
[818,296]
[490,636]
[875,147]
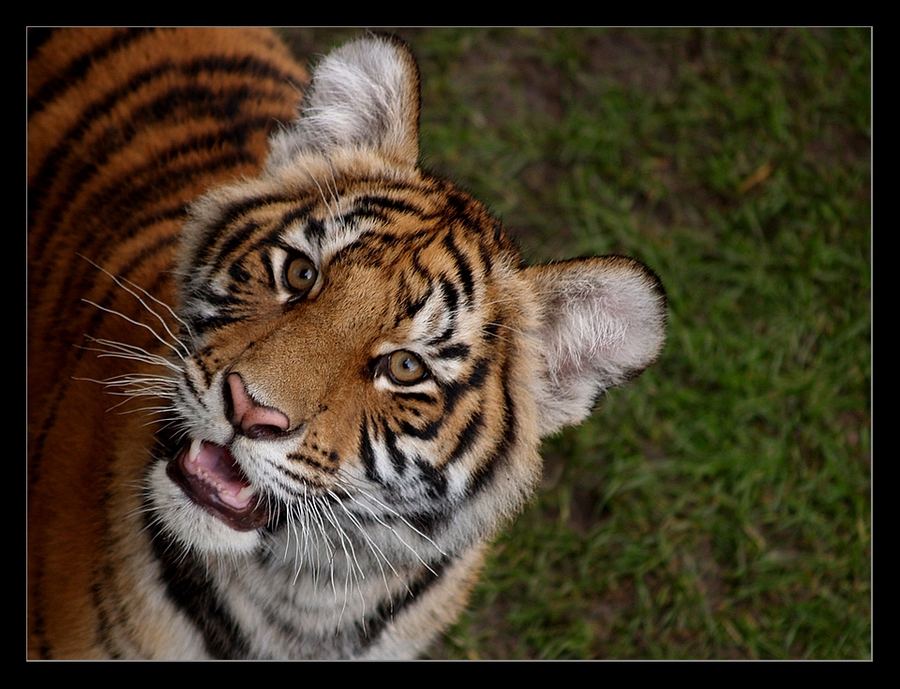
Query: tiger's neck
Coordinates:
[348,593]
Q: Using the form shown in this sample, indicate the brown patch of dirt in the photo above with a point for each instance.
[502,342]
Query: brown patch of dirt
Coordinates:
[587,510]
[489,628]
[505,81]
[839,146]
[851,424]
[626,57]
[709,574]
[604,613]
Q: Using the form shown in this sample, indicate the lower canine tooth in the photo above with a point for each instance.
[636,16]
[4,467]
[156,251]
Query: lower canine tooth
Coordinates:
[245,493]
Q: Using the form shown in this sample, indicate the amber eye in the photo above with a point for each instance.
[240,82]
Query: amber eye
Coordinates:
[405,368]
[300,274]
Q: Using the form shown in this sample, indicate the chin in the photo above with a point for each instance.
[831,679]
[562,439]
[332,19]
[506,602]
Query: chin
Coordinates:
[191,526]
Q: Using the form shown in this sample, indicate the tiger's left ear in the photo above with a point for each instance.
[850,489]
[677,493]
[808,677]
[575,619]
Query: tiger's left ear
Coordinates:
[602,322]
[364,94]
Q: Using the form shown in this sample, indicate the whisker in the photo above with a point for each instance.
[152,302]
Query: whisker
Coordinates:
[373,547]
[134,322]
[393,530]
[391,510]
[161,303]
[142,302]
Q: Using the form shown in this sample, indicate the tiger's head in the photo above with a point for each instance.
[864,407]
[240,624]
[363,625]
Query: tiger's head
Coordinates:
[366,344]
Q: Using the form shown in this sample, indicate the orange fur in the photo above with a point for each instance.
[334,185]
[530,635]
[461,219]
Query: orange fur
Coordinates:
[73,210]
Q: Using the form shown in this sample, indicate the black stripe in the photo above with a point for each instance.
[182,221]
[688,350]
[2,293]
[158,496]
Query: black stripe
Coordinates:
[39,630]
[204,324]
[479,373]
[100,596]
[484,472]
[417,396]
[142,195]
[238,273]
[207,377]
[350,219]
[288,488]
[454,351]
[403,299]
[420,270]
[437,481]
[487,259]
[122,619]
[235,135]
[238,237]
[229,215]
[413,307]
[398,459]
[51,165]
[366,453]
[305,458]
[498,233]
[102,629]
[200,102]
[428,432]
[194,594]
[490,330]
[315,230]
[294,215]
[453,392]
[371,629]
[370,201]
[77,69]
[451,296]
[449,332]
[467,438]
[270,271]
[37,37]
[466,212]
[463,268]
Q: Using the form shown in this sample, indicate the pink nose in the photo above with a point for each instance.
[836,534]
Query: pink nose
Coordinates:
[252,419]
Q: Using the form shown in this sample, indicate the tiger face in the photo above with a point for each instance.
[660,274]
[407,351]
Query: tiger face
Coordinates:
[363,343]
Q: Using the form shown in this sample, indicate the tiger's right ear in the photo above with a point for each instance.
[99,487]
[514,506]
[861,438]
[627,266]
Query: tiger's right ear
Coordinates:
[364,94]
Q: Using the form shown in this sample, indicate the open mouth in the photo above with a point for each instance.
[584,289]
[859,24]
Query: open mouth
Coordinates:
[210,476]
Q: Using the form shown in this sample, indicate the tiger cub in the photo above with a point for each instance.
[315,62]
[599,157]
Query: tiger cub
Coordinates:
[334,367]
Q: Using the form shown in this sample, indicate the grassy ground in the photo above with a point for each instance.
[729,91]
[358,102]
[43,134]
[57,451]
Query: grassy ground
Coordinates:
[719,506]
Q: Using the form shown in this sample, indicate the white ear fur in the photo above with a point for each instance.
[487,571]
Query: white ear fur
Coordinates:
[602,322]
[363,94]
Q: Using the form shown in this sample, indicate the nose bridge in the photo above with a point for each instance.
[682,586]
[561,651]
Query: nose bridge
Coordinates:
[295,365]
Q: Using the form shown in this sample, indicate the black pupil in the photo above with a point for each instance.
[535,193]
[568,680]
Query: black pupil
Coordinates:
[303,272]
[409,364]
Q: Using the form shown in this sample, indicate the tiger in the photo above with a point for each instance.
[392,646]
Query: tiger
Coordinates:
[285,385]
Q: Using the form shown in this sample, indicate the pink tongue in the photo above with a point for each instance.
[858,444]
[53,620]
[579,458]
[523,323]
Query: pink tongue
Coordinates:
[217,467]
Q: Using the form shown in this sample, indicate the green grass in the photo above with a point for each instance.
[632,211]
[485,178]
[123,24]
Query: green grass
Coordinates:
[718,507]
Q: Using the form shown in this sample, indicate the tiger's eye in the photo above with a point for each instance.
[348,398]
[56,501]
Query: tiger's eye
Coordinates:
[406,368]
[300,274]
